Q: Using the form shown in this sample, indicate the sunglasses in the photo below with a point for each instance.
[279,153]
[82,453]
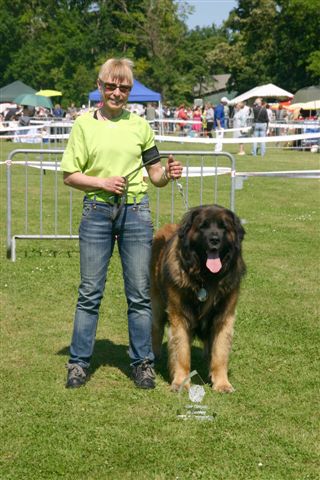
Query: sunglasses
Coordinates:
[111,87]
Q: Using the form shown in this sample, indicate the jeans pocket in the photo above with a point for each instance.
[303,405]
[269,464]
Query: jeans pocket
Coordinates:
[143,213]
[86,210]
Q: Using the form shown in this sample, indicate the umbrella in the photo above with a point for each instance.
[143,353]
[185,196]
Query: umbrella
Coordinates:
[49,93]
[307,94]
[313,105]
[295,106]
[264,91]
[30,99]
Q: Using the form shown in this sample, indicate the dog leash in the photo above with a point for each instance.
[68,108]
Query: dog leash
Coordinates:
[178,184]
[181,191]
[123,197]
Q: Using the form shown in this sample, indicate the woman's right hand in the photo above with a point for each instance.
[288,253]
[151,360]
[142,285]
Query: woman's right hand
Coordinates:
[114,185]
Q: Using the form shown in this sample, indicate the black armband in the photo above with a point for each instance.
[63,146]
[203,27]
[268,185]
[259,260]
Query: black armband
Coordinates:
[151,156]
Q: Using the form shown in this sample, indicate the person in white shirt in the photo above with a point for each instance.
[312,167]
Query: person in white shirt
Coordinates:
[240,122]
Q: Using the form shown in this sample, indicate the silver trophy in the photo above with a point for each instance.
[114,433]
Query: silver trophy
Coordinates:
[196,393]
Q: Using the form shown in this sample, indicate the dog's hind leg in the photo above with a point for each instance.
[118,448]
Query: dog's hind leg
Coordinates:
[159,318]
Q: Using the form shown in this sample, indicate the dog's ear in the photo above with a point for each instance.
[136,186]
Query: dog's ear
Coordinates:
[189,258]
[186,223]
[238,226]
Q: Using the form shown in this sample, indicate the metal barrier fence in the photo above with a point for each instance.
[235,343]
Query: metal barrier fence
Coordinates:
[37,185]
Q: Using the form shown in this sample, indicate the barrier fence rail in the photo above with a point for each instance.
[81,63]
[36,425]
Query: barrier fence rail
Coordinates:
[56,207]
[51,133]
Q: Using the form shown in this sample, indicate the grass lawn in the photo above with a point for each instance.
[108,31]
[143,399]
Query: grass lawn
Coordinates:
[268,429]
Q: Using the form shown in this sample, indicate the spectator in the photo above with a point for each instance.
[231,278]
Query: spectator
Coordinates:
[219,119]
[25,117]
[41,112]
[210,119]
[249,114]
[58,112]
[281,118]
[270,117]
[171,116]
[196,117]
[72,111]
[2,125]
[226,114]
[239,122]
[182,115]
[260,119]
[150,114]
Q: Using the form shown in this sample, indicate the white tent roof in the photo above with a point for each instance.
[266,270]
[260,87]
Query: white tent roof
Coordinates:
[268,90]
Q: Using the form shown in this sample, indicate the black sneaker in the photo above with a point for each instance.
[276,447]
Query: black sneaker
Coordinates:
[77,375]
[143,375]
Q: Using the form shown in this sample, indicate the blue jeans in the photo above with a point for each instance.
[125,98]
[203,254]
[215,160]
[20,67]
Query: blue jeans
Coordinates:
[260,130]
[98,232]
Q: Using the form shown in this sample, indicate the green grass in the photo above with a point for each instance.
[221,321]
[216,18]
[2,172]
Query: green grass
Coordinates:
[267,429]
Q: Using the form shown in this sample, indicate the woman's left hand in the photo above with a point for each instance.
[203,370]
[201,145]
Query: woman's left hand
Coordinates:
[173,168]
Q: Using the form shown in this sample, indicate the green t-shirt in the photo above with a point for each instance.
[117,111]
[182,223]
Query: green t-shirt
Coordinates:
[107,149]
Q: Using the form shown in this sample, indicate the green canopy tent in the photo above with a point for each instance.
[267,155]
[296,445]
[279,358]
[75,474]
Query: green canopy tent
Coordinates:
[11,91]
[215,98]
[307,94]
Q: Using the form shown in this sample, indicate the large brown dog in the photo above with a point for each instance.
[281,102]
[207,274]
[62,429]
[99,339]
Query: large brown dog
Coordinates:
[196,271]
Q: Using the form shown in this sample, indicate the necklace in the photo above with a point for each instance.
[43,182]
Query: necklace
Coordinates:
[103,117]
[106,118]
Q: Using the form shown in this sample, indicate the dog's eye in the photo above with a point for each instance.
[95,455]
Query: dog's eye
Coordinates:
[204,224]
[221,224]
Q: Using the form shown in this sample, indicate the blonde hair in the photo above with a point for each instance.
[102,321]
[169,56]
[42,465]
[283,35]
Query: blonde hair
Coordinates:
[119,69]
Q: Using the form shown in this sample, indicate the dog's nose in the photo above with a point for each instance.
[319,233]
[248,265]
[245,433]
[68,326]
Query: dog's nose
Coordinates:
[214,240]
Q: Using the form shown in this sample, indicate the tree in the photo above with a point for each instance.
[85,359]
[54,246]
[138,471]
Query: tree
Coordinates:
[151,32]
[271,41]
[55,44]
[248,50]
[297,38]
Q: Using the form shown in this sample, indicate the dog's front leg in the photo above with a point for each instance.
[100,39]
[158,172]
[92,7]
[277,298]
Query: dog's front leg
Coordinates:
[220,349]
[179,353]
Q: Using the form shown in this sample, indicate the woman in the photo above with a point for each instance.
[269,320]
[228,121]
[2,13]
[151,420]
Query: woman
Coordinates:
[103,158]
[239,122]
[197,117]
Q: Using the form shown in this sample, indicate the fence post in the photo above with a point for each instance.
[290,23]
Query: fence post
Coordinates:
[9,210]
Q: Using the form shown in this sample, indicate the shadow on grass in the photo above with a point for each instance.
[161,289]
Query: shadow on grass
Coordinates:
[108,353]
[198,362]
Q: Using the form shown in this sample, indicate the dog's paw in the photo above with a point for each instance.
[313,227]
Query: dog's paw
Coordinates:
[225,387]
[176,387]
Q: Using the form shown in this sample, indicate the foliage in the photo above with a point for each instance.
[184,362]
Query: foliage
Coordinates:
[314,66]
[61,44]
[271,41]
[296,36]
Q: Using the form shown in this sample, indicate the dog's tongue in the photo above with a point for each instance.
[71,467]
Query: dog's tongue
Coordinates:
[213,262]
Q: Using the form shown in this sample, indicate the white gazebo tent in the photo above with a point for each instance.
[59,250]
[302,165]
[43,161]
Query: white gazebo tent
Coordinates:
[265,91]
